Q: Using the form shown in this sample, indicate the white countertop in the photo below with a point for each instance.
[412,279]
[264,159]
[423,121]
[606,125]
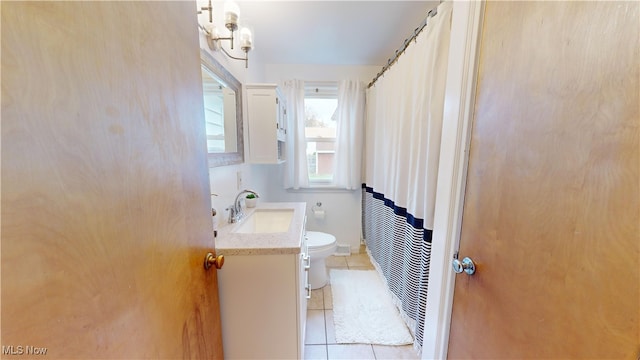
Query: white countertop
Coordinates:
[231,243]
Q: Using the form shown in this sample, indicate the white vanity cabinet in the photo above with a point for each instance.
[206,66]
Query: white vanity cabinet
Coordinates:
[263,303]
[267,123]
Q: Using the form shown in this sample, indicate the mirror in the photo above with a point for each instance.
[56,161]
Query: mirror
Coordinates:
[223,113]
[219,114]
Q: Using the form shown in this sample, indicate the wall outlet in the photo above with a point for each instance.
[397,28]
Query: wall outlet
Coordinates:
[239,180]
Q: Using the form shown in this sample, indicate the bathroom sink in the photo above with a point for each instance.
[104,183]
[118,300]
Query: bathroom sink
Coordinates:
[263,221]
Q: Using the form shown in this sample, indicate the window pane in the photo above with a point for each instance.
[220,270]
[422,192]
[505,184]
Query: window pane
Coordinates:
[320,157]
[320,124]
[320,120]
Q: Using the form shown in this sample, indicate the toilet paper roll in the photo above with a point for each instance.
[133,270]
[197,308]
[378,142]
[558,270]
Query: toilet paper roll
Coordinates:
[318,214]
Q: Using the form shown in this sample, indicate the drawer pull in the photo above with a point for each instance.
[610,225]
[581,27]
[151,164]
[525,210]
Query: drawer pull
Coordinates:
[308,264]
[306,270]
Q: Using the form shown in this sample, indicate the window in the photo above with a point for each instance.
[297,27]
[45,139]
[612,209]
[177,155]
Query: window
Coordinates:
[320,104]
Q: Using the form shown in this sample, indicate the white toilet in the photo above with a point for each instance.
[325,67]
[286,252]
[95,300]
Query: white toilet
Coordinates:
[321,245]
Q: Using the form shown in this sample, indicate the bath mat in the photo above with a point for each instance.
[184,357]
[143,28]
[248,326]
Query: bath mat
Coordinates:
[363,311]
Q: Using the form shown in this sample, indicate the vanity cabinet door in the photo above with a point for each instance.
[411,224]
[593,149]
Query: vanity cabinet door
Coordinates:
[260,293]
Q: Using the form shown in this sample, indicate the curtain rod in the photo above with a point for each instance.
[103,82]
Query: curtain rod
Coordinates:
[433,12]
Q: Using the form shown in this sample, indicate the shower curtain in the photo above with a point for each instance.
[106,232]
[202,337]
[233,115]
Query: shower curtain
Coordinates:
[403,129]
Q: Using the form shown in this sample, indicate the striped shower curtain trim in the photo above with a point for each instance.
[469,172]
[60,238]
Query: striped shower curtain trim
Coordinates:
[400,211]
[400,250]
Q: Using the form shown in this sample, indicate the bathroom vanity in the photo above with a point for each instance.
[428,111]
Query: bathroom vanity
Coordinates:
[264,284]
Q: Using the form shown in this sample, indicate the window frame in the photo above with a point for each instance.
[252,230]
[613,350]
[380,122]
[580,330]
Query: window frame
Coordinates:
[321,90]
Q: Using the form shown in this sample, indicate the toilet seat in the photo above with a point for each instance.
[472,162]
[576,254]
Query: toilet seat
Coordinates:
[319,241]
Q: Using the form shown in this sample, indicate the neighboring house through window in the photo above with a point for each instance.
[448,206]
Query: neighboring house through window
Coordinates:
[320,103]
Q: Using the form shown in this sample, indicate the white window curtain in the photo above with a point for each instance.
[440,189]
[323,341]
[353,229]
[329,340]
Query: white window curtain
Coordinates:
[347,167]
[296,174]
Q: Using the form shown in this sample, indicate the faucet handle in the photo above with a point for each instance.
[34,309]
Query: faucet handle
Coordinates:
[232,213]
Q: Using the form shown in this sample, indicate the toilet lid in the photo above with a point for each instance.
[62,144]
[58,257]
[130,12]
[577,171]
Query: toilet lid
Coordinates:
[316,239]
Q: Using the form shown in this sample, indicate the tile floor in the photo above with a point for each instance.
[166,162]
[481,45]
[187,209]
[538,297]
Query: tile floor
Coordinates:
[320,336]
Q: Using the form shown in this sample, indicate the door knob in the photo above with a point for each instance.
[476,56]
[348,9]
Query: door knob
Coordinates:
[212,260]
[465,265]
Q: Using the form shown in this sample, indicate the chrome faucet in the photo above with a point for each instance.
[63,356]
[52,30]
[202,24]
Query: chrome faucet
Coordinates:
[235,210]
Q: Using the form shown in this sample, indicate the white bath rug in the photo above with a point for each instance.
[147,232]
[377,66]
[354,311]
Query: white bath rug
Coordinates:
[363,311]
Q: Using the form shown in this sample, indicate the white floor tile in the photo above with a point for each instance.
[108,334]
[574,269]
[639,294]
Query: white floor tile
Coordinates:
[370,267]
[337,261]
[383,352]
[328,297]
[358,260]
[315,328]
[350,351]
[317,300]
[315,352]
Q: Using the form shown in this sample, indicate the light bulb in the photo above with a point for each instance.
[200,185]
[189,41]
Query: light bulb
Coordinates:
[210,28]
[246,39]
[231,15]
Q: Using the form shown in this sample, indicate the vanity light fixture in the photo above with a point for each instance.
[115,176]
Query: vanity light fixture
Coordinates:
[231,18]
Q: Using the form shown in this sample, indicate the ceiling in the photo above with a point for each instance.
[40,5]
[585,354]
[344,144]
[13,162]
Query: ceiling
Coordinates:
[331,32]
